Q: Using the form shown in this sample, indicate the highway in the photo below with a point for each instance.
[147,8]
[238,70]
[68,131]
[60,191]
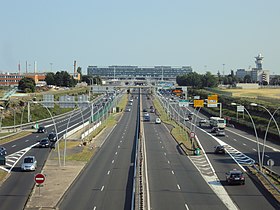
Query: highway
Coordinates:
[174,182]
[106,182]
[250,196]
[15,190]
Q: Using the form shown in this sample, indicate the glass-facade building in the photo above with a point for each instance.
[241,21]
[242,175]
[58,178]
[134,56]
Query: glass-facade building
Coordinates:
[135,72]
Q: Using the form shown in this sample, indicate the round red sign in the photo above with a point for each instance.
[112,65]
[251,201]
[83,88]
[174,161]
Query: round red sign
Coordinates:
[39,178]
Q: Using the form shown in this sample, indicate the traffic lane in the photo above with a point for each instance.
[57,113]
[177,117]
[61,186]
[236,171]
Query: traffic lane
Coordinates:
[119,188]
[163,186]
[15,191]
[249,196]
[250,148]
[243,195]
[192,184]
[99,171]
[22,143]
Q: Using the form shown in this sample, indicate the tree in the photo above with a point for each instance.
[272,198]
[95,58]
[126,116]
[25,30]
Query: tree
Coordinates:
[247,79]
[79,70]
[209,80]
[27,85]
[58,78]
[50,80]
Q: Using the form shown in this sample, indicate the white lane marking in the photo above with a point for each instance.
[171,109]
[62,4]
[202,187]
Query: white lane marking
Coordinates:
[146,172]
[116,153]
[160,142]
[244,144]
[14,145]
[113,161]
[27,140]
[108,172]
[37,136]
[94,208]
[121,141]
[122,137]
[172,172]
[165,153]
[266,156]
[119,146]
[178,187]
[168,162]
[234,139]
[102,188]
[254,149]
[162,147]
[273,148]
[186,206]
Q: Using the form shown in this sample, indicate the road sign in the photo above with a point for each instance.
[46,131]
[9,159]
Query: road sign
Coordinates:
[270,162]
[212,101]
[198,103]
[192,134]
[240,108]
[39,178]
[183,103]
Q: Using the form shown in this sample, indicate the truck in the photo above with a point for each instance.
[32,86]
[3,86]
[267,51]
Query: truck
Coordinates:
[217,122]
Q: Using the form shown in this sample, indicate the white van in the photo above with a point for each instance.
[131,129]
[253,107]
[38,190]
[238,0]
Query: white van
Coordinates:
[217,122]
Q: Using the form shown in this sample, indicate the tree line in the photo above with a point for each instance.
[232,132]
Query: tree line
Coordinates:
[60,79]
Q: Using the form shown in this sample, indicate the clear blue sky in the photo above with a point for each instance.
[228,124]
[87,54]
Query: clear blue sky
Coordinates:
[204,34]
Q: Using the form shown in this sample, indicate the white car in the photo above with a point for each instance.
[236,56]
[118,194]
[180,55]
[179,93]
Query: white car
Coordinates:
[158,121]
[29,163]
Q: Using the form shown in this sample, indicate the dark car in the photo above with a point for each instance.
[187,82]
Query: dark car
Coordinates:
[52,137]
[214,129]
[144,110]
[41,129]
[3,151]
[44,143]
[235,177]
[219,149]
[220,132]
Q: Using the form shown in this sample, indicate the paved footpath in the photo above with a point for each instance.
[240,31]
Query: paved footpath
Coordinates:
[58,179]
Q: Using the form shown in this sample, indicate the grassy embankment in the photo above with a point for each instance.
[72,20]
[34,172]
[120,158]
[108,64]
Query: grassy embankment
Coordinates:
[178,132]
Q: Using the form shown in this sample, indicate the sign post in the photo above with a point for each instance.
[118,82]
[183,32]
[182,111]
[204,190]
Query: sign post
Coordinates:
[39,179]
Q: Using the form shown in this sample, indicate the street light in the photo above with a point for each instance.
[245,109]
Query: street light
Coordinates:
[271,117]
[36,102]
[1,108]
[258,143]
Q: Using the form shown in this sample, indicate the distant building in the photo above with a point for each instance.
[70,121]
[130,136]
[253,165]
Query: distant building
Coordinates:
[10,79]
[257,74]
[135,72]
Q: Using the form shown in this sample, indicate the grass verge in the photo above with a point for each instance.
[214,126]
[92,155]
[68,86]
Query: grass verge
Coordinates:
[178,132]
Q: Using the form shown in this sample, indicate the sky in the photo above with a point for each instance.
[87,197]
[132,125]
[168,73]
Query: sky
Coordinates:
[209,35]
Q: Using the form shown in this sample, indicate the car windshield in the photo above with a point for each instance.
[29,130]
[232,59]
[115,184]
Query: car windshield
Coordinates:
[51,135]
[28,160]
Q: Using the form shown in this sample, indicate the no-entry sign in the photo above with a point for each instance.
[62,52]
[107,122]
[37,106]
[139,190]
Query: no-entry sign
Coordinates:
[39,178]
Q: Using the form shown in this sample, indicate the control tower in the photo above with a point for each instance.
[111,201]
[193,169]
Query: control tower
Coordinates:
[259,61]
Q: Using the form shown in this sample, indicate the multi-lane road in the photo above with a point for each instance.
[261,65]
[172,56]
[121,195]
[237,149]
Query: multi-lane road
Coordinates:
[173,180]
[15,191]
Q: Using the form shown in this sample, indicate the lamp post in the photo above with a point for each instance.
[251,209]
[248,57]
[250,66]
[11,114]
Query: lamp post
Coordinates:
[65,138]
[257,138]
[1,108]
[36,102]
[271,118]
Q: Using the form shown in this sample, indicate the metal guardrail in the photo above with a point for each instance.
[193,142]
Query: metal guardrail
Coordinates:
[267,179]
[137,135]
